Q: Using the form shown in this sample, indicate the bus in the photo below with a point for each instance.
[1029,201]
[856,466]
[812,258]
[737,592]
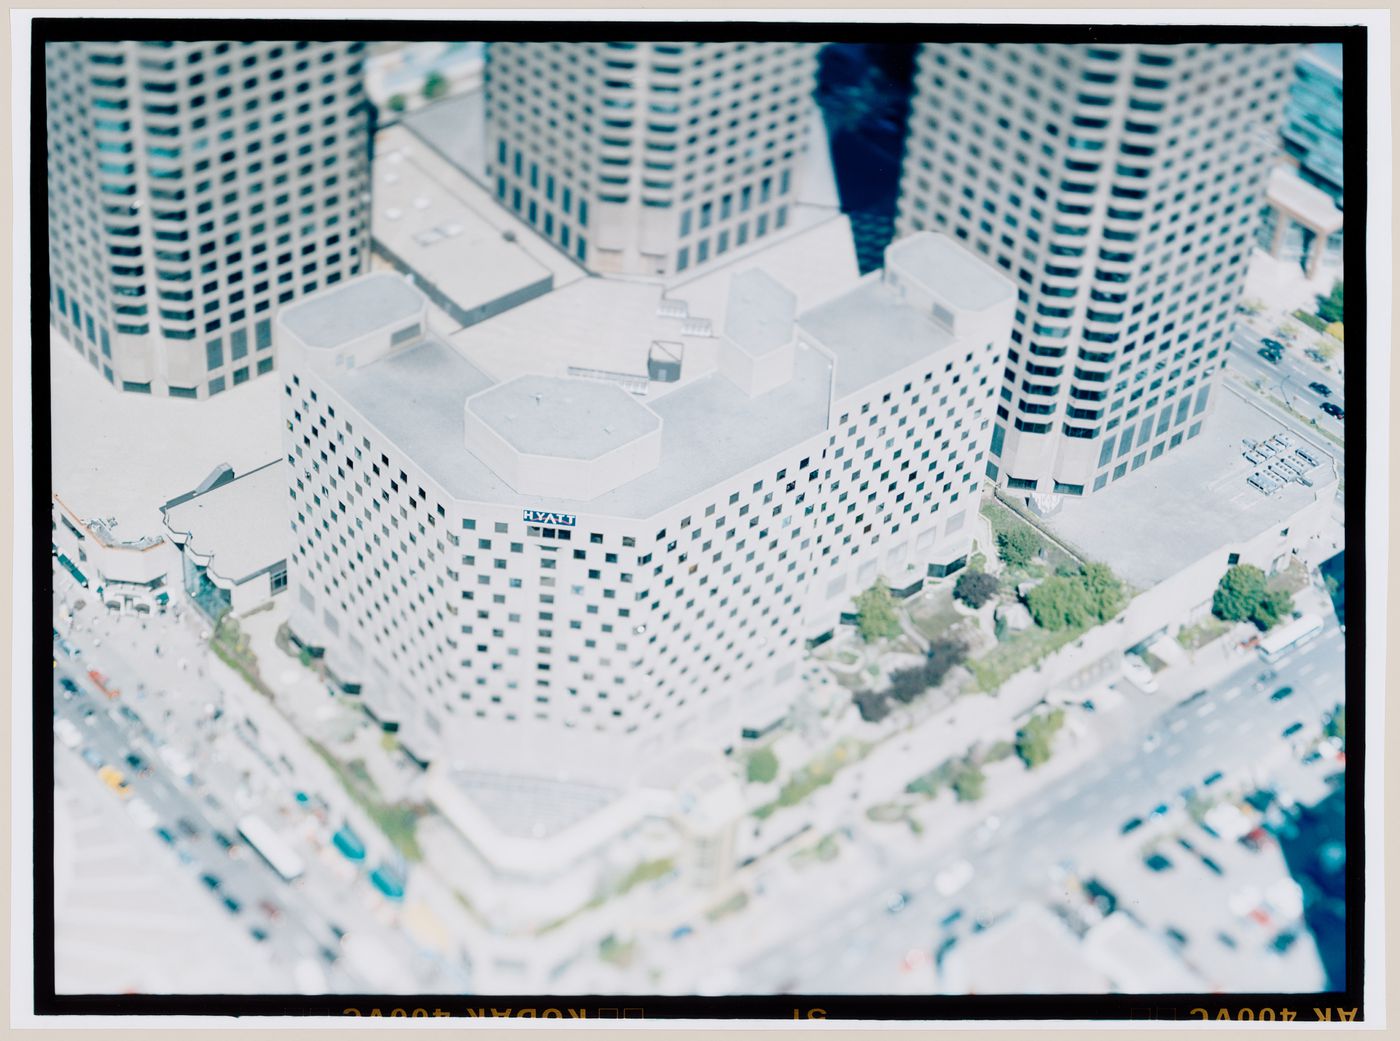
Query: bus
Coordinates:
[271,847]
[1287,639]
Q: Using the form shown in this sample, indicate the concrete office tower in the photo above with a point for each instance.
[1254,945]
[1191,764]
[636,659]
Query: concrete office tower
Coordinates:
[193,188]
[648,158]
[1119,186]
[544,574]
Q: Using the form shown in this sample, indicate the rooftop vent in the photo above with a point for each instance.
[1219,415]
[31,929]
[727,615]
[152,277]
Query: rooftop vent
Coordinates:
[422,202]
[393,213]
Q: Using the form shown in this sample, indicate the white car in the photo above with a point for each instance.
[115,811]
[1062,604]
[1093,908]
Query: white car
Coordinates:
[1136,672]
[953,878]
[65,731]
[142,813]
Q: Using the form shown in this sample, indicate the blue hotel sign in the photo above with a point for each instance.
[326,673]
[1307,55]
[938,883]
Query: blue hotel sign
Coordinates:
[553,520]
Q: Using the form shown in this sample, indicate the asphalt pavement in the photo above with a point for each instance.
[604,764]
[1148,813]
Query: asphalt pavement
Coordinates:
[1289,379]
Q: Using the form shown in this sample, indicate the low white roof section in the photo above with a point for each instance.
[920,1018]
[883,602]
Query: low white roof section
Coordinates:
[437,225]
[352,310]
[1290,192]
[240,529]
[950,271]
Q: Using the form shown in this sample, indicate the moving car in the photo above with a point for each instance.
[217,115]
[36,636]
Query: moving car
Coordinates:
[1292,729]
[1332,410]
[953,878]
[1281,693]
[114,780]
[66,732]
[1213,778]
[1319,387]
[1131,824]
[896,902]
[1157,862]
[1272,344]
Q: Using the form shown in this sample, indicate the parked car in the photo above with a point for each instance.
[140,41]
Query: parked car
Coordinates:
[1292,729]
[69,687]
[91,757]
[1131,824]
[896,902]
[1281,693]
[1318,387]
[1157,862]
[1211,865]
[1213,778]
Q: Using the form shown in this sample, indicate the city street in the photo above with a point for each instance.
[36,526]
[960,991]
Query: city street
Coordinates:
[171,711]
[1233,728]
[1289,378]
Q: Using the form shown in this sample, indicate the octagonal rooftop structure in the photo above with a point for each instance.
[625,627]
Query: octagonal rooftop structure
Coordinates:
[562,437]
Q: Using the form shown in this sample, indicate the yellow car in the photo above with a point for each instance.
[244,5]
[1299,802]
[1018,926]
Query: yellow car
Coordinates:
[115,781]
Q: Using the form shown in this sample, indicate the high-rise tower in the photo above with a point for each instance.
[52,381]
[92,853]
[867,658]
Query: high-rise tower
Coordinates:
[648,158]
[193,188]
[1118,185]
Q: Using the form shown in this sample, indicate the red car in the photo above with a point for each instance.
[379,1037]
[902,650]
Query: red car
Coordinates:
[103,684]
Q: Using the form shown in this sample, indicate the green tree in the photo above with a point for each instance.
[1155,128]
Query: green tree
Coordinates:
[875,617]
[763,766]
[1017,546]
[969,783]
[976,588]
[1061,603]
[1035,740]
[397,103]
[1238,594]
[434,86]
[1274,605]
[1104,589]
[1329,307]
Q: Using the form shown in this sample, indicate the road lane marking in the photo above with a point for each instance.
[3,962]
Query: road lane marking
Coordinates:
[1213,725]
[1178,726]
[1206,710]
[1232,694]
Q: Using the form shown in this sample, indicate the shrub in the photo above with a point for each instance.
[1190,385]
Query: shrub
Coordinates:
[976,588]
[1329,307]
[1035,740]
[1274,606]
[969,782]
[1312,321]
[907,684]
[1018,546]
[873,705]
[1060,603]
[763,766]
[944,654]
[397,103]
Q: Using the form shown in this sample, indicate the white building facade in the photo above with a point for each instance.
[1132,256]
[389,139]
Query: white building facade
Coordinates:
[648,158]
[538,567]
[193,188]
[1118,184]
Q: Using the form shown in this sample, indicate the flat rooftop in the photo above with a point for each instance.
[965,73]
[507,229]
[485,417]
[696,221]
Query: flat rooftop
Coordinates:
[242,526]
[1289,190]
[448,230]
[711,430]
[960,277]
[1192,501]
[873,334]
[349,311]
[124,455]
[564,418]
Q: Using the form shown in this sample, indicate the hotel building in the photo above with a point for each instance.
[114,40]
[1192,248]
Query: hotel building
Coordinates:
[609,519]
